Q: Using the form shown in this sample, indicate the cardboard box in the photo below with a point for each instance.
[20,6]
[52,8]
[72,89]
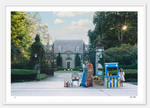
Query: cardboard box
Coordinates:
[66,83]
[97,83]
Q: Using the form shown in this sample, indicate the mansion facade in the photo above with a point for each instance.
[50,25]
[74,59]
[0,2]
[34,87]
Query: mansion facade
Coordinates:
[68,50]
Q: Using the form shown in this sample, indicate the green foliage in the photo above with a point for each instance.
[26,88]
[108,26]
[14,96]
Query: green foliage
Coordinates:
[55,69]
[129,74]
[37,48]
[78,68]
[131,80]
[109,25]
[81,70]
[125,70]
[126,54]
[128,66]
[20,35]
[74,71]
[24,27]
[47,70]
[59,60]
[36,26]
[22,64]
[59,68]
[23,74]
[77,60]
[41,76]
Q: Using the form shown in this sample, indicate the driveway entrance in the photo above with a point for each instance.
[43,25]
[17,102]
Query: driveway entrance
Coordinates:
[61,77]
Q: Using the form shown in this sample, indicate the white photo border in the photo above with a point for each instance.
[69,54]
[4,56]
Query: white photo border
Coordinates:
[140,99]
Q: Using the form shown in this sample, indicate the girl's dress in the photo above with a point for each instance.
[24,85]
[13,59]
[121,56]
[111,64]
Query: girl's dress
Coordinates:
[83,77]
[121,75]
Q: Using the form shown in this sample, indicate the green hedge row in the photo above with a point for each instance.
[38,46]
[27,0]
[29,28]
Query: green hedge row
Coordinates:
[81,70]
[129,74]
[22,64]
[23,74]
[128,66]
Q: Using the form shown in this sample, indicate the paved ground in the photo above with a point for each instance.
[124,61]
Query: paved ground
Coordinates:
[54,86]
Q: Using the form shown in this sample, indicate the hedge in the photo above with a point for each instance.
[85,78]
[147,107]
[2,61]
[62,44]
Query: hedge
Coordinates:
[47,70]
[23,74]
[22,64]
[128,66]
[78,67]
[41,76]
[59,68]
[129,73]
[81,70]
[125,55]
[55,69]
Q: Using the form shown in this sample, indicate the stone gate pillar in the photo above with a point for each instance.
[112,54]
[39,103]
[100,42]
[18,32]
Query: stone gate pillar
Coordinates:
[99,59]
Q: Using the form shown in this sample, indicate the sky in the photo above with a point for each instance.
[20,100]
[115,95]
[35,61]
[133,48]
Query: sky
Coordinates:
[68,25]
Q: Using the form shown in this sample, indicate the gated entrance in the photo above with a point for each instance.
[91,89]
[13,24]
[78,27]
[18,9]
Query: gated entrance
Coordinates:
[48,65]
[96,57]
[90,56]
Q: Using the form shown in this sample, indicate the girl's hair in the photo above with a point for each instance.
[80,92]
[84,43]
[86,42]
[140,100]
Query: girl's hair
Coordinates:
[120,69]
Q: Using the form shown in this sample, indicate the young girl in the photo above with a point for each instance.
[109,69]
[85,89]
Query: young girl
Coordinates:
[121,74]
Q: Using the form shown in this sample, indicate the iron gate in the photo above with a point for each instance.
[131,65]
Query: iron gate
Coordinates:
[48,65]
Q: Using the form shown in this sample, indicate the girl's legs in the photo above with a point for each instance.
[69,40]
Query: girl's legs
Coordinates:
[121,84]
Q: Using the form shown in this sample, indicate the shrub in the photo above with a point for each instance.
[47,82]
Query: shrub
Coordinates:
[23,74]
[47,70]
[81,70]
[131,80]
[78,67]
[128,66]
[22,64]
[41,76]
[59,68]
[59,60]
[126,54]
[130,74]
[77,60]
[55,69]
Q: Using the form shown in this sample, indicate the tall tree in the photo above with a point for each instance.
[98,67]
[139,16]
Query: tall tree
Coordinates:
[36,26]
[20,38]
[59,60]
[77,60]
[109,25]
[37,48]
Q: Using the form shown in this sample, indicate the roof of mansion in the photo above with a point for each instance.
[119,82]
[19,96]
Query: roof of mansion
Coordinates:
[68,45]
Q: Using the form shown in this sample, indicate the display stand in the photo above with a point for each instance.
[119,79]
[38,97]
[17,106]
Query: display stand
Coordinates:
[111,81]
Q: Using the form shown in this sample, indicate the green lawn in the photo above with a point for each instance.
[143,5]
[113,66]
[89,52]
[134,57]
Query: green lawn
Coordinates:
[61,71]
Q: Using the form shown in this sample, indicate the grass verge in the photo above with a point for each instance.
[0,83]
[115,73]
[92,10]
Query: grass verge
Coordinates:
[41,76]
[68,71]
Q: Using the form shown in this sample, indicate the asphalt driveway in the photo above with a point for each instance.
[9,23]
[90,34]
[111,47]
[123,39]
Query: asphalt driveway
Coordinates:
[61,77]
[54,86]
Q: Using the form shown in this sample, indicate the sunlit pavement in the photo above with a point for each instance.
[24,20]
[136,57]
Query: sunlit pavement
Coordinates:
[54,86]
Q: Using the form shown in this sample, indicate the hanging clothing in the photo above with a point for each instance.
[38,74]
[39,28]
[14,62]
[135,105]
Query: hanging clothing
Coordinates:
[89,75]
[87,78]
[83,77]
